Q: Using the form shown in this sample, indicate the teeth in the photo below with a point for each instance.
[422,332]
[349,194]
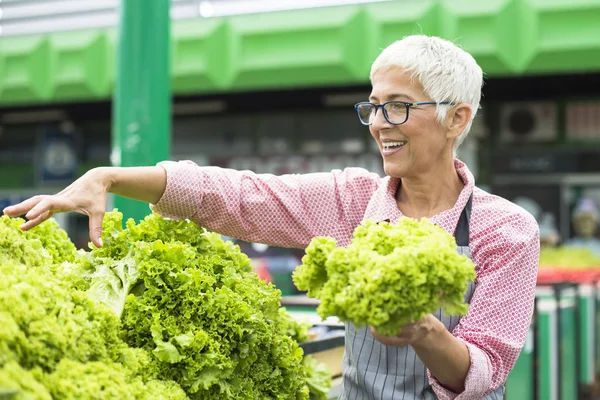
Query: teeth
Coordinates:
[393,144]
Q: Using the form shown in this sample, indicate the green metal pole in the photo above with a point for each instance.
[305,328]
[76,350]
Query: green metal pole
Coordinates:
[547,340]
[141,130]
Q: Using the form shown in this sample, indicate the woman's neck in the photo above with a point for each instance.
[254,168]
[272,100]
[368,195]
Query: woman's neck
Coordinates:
[430,193]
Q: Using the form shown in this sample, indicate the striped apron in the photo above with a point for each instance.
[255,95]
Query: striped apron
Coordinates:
[373,371]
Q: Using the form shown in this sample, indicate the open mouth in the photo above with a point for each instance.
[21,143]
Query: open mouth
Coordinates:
[388,146]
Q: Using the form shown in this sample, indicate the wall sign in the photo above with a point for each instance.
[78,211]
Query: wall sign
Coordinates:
[57,157]
[546,162]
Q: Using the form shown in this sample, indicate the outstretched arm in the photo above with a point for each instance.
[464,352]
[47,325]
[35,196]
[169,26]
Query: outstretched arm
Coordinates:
[280,210]
[286,210]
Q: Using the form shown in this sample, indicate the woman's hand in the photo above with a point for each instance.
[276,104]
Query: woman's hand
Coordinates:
[446,357]
[87,195]
[410,334]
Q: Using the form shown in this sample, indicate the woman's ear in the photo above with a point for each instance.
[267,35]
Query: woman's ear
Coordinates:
[458,118]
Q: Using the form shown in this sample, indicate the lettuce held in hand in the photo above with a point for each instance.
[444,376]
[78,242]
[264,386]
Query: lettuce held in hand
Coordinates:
[389,275]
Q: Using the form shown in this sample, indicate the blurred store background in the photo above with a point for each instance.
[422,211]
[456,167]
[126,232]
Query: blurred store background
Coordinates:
[270,86]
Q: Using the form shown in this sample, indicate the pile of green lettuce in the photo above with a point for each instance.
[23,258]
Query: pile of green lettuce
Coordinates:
[164,310]
[389,275]
[318,375]
[55,342]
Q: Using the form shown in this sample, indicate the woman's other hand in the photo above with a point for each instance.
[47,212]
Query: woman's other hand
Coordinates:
[87,195]
[410,334]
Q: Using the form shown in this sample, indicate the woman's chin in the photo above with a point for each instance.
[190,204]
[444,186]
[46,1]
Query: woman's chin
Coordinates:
[394,170]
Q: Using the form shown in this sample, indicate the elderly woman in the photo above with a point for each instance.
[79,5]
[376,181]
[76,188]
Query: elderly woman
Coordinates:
[425,93]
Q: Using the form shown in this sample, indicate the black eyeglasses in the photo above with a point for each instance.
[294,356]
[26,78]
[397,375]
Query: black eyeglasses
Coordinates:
[395,112]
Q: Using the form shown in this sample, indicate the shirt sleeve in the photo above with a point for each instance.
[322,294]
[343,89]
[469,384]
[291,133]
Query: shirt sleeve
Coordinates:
[496,325]
[286,210]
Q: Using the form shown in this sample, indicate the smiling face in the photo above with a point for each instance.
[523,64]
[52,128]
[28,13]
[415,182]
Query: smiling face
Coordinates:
[425,139]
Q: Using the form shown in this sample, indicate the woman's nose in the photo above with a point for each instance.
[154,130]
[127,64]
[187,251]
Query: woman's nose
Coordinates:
[379,120]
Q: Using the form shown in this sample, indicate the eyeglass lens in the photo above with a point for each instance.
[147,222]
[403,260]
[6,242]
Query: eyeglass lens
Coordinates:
[396,112]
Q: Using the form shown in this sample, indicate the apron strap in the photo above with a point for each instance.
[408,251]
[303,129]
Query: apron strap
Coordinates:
[461,234]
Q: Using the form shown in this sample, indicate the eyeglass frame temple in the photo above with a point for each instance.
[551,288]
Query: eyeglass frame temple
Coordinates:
[408,106]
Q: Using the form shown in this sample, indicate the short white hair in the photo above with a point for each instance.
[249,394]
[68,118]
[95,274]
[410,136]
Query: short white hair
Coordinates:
[446,72]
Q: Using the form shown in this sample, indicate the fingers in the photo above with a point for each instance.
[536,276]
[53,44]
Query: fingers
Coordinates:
[48,204]
[23,207]
[40,208]
[36,208]
[96,228]
[36,221]
[388,340]
[405,337]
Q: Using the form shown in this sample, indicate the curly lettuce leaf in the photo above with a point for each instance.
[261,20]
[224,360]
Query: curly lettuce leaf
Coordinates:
[55,341]
[17,383]
[112,282]
[43,246]
[389,275]
[192,302]
[297,330]
[104,380]
[318,378]
[53,321]
[313,275]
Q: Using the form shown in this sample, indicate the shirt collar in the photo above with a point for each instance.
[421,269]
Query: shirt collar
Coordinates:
[386,208]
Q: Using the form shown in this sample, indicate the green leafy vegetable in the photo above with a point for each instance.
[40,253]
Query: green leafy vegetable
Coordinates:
[193,302]
[45,245]
[18,383]
[101,380]
[297,330]
[389,275]
[44,322]
[164,310]
[55,341]
[569,257]
[318,378]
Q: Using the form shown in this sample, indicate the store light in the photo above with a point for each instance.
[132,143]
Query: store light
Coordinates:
[224,8]
[44,16]
[206,9]
[37,17]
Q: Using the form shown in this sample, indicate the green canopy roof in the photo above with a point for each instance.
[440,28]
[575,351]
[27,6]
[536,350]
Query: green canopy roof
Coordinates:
[314,47]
